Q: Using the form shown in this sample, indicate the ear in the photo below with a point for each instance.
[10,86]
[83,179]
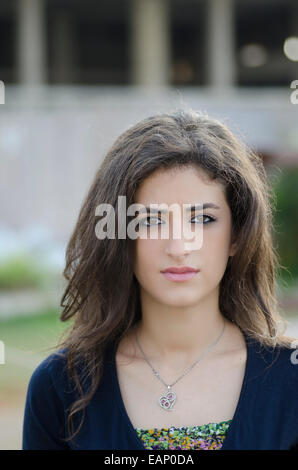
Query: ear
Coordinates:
[233,249]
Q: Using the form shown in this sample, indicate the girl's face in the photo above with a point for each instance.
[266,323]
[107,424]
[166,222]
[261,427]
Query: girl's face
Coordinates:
[153,255]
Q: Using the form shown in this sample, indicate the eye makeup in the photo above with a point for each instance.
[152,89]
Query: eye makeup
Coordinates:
[145,219]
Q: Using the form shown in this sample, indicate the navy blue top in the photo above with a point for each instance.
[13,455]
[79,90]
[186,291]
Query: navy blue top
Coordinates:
[266,415]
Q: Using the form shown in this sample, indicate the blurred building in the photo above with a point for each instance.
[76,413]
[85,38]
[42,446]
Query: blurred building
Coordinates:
[147,42]
[98,66]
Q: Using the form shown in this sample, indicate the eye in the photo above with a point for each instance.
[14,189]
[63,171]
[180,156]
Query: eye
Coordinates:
[211,219]
[145,220]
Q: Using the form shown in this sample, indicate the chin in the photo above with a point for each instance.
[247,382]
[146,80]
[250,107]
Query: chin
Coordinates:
[180,300]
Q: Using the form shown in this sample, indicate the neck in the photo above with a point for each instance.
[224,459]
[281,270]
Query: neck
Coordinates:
[172,333]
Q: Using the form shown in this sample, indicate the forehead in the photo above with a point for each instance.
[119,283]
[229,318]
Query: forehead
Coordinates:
[180,185]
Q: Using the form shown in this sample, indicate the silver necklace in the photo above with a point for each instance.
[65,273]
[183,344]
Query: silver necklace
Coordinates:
[166,402]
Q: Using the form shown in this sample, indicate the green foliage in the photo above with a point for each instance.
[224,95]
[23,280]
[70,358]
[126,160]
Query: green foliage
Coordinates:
[20,270]
[286,222]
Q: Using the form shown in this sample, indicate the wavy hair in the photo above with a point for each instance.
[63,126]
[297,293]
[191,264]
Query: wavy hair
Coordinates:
[102,294]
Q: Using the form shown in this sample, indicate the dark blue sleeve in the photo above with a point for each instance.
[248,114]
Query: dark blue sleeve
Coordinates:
[44,416]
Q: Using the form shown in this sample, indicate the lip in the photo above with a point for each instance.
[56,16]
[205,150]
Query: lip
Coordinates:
[181,274]
[180,270]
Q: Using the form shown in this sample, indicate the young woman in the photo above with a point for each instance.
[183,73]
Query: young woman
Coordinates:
[173,344]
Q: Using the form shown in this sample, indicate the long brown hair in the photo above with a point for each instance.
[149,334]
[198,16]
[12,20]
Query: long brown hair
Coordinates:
[102,295]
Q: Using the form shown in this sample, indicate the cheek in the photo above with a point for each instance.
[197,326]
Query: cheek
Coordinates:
[215,252]
[147,254]
[216,241]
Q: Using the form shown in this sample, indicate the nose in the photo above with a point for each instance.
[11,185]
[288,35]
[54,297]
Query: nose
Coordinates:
[177,247]
[180,243]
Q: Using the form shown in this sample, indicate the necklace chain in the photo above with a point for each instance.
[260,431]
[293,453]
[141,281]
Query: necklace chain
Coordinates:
[189,368]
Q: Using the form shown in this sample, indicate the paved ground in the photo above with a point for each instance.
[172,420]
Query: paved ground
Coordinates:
[11,425]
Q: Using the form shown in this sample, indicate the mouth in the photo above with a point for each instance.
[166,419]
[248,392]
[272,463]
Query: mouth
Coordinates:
[180,274]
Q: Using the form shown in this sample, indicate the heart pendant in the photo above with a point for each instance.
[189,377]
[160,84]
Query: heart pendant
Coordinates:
[167,402]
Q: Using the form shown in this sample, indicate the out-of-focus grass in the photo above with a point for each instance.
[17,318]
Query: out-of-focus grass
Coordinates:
[32,332]
[27,341]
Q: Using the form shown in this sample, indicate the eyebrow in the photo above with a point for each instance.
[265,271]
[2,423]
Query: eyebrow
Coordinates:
[194,207]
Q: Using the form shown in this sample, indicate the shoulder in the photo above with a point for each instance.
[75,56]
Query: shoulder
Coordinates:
[287,363]
[52,365]
[46,402]
[277,365]
[50,375]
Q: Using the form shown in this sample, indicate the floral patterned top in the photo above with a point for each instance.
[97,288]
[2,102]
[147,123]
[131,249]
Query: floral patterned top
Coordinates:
[205,437]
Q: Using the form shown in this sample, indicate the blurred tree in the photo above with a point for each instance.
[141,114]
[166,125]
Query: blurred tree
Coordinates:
[286,221]
[20,271]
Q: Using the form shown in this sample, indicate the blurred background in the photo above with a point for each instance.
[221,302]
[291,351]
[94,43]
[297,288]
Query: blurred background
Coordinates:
[77,74]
